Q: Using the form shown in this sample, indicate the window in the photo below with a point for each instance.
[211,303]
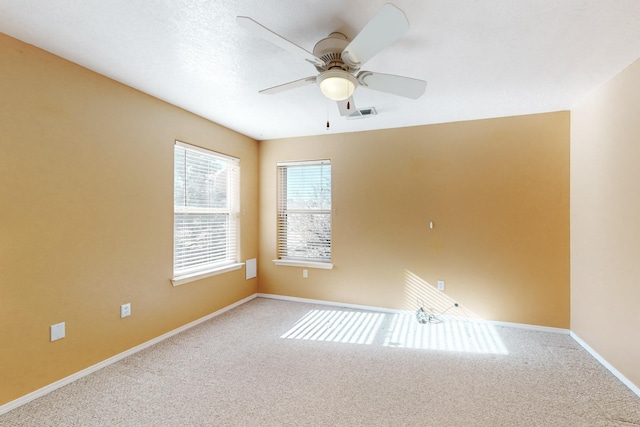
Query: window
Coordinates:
[206,206]
[304,213]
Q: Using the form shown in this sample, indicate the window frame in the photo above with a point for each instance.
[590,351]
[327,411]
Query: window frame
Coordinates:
[282,210]
[232,209]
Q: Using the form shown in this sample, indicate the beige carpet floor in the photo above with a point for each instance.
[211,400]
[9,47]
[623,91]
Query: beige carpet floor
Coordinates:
[279,363]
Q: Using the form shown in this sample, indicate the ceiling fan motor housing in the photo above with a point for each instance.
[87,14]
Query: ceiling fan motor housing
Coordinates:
[330,50]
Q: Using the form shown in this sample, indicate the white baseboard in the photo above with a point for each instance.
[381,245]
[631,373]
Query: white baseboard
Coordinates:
[76,376]
[529,327]
[396,311]
[606,364]
[331,303]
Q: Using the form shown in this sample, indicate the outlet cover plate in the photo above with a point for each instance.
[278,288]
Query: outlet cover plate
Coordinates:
[125,310]
[57,331]
[441,285]
[251,269]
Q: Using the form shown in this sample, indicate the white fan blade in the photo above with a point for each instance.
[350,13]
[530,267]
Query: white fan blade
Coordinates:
[262,31]
[342,106]
[290,85]
[397,85]
[381,31]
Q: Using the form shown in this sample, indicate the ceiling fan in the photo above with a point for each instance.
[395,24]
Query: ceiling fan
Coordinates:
[338,60]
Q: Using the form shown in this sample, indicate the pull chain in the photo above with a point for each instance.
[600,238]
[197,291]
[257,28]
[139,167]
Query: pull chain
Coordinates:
[328,124]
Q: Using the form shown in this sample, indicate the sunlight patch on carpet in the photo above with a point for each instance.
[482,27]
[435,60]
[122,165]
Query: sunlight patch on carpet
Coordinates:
[397,330]
[353,327]
[449,335]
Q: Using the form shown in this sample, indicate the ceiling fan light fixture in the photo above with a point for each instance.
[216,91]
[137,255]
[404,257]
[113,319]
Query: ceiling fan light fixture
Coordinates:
[337,85]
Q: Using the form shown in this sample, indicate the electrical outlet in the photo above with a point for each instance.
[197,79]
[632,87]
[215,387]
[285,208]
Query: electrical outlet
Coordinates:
[441,285]
[125,310]
[305,273]
[57,331]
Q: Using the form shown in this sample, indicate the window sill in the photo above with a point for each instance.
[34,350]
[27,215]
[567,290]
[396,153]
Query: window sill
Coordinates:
[308,264]
[180,280]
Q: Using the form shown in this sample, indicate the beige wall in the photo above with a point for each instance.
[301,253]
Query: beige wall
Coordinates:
[497,191]
[86,224]
[86,186]
[605,221]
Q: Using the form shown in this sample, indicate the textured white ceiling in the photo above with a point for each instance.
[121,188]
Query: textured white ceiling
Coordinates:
[481,58]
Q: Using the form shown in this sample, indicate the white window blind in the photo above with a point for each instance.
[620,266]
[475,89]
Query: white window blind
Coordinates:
[206,206]
[304,211]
